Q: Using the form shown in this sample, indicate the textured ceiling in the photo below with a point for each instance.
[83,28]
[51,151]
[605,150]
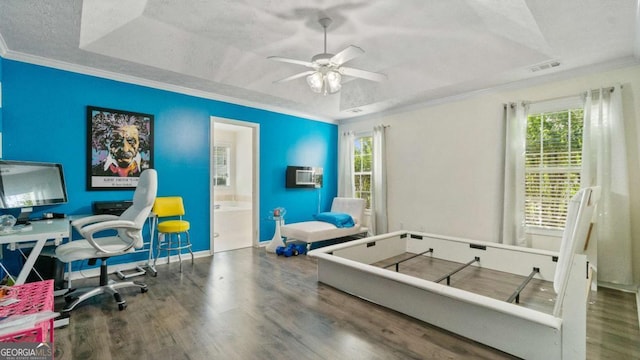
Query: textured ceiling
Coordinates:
[429,49]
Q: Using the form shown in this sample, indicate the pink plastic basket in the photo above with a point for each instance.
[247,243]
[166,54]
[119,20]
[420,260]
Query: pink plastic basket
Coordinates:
[34,297]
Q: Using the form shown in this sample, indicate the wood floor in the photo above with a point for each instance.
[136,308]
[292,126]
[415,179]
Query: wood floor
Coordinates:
[248,304]
[537,295]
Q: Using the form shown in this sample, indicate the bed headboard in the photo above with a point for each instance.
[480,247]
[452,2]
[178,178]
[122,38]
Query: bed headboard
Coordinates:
[351,206]
[579,216]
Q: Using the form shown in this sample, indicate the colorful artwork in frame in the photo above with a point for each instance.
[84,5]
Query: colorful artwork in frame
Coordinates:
[120,147]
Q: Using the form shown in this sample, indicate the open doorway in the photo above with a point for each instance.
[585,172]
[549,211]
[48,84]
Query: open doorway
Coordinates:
[234,184]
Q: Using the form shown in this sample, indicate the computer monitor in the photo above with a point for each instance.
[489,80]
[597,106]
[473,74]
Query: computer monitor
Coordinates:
[25,184]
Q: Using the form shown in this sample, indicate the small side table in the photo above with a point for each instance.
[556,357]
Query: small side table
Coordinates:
[277,237]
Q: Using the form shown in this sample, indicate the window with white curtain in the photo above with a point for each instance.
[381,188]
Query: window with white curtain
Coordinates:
[362,168]
[553,160]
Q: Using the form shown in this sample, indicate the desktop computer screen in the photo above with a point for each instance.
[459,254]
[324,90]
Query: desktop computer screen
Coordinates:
[26,184]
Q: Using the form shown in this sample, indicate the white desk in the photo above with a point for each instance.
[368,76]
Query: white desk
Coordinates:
[40,232]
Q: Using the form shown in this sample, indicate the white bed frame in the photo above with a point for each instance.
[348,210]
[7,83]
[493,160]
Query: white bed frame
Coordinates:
[517,330]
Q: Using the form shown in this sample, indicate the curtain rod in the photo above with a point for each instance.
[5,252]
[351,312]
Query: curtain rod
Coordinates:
[364,131]
[605,88]
[609,88]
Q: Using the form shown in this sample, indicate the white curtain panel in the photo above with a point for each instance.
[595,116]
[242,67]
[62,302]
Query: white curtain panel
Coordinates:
[604,160]
[378,223]
[346,187]
[513,222]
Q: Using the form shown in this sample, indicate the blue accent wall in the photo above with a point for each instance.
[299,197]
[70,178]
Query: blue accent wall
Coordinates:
[44,119]
[2,85]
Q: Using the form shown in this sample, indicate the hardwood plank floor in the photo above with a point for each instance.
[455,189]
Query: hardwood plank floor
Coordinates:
[537,295]
[248,304]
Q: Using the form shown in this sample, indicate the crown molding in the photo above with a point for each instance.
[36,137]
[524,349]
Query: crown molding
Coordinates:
[110,75]
[516,85]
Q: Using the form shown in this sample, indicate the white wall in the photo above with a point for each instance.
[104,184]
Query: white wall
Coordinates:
[445,161]
[244,164]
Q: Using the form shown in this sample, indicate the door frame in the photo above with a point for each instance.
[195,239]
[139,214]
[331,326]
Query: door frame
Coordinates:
[255,201]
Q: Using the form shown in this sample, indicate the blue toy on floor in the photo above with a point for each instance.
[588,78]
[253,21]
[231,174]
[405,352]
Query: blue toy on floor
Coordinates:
[292,250]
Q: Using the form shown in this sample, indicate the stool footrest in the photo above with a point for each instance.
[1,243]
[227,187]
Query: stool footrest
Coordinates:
[169,242]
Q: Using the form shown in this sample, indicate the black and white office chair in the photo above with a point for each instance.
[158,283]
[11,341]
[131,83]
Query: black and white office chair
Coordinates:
[128,238]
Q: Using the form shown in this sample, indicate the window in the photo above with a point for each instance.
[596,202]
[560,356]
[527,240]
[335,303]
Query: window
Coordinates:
[221,166]
[553,161]
[362,168]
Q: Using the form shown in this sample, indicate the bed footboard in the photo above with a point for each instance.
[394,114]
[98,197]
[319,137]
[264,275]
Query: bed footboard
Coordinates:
[509,327]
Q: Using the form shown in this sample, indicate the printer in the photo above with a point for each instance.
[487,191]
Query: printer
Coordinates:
[110,207]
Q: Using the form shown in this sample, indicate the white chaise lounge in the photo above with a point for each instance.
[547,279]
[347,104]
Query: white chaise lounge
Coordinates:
[313,231]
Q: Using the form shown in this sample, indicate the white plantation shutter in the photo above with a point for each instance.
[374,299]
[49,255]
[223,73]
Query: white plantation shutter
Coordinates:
[553,161]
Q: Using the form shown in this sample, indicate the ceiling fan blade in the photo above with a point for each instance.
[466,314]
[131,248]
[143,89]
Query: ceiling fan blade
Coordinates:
[363,74]
[345,55]
[296,76]
[293,61]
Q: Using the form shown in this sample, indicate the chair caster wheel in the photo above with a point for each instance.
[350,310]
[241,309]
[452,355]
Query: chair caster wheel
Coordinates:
[70,299]
[122,306]
[144,290]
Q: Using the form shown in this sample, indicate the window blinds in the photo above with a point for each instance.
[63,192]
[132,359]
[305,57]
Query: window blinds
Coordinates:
[553,160]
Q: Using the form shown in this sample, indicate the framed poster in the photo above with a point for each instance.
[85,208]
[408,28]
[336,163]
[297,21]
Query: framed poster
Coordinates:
[119,148]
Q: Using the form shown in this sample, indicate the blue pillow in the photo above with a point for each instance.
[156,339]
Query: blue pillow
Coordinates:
[340,220]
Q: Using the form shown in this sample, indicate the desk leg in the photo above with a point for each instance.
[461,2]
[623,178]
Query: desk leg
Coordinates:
[31,260]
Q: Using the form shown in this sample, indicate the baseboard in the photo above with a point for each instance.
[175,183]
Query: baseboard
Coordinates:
[624,288]
[95,272]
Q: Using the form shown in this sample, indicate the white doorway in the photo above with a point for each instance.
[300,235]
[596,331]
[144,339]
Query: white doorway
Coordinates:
[234,184]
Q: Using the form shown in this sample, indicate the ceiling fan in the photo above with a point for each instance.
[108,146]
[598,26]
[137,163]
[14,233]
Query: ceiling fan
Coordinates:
[327,70]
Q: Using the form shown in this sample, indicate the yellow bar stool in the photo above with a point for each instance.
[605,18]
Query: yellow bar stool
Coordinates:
[170,231]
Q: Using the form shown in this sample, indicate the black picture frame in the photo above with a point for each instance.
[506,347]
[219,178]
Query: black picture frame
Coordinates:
[119,148]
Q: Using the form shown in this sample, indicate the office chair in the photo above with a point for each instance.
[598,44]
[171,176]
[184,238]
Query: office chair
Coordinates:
[128,238]
[171,206]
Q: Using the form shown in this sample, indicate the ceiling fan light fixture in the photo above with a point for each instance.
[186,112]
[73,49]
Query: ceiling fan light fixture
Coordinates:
[333,79]
[326,76]
[316,81]
[327,82]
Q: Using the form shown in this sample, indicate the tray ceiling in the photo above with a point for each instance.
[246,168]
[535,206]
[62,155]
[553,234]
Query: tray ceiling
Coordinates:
[429,49]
